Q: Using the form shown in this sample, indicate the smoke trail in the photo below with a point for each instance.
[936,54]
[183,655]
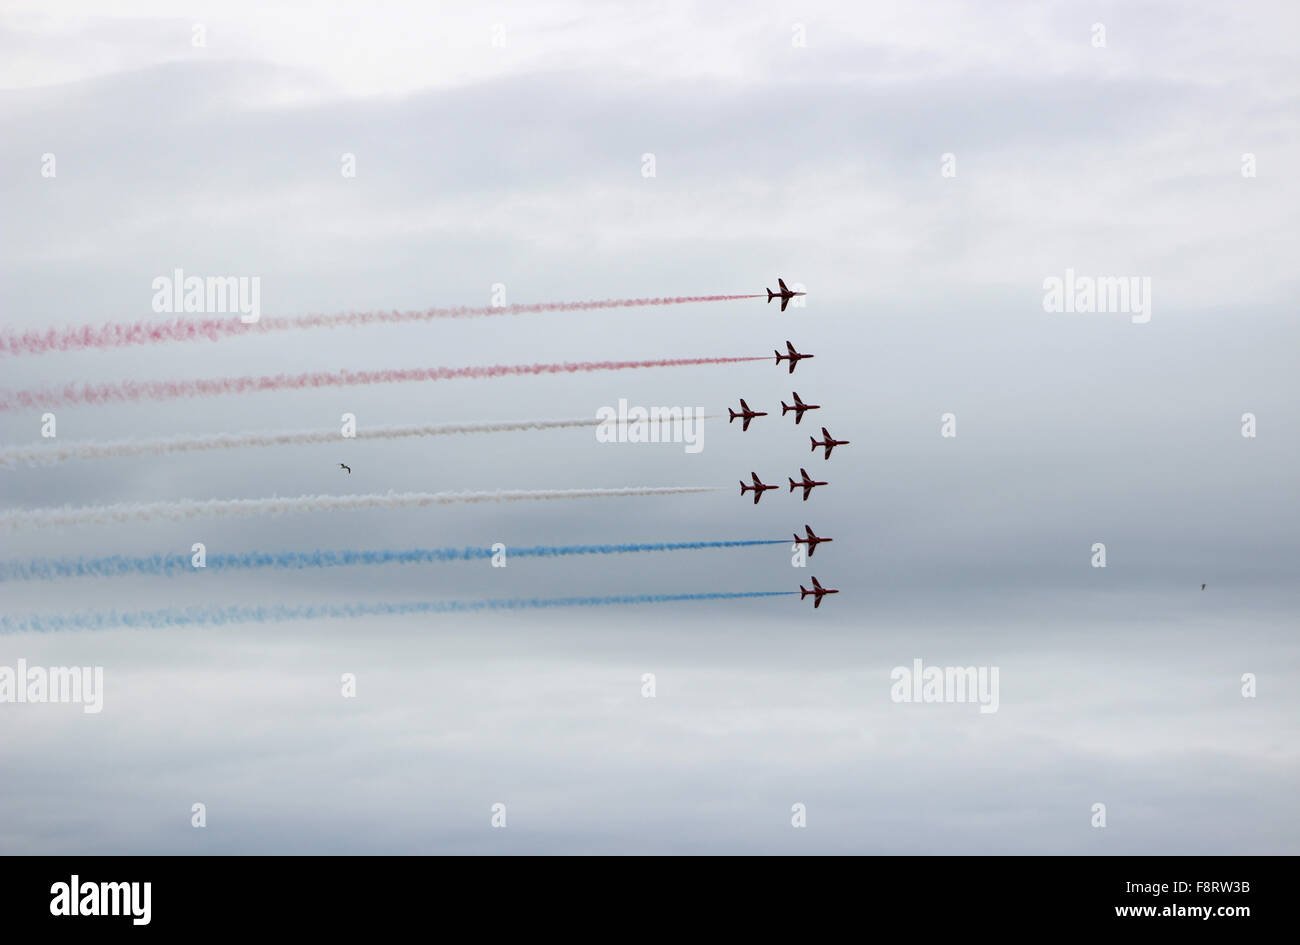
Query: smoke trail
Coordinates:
[134,391]
[47,454]
[15,519]
[170,565]
[219,616]
[119,334]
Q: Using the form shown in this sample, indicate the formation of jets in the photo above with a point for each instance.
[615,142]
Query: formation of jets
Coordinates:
[758,487]
[785,295]
[746,415]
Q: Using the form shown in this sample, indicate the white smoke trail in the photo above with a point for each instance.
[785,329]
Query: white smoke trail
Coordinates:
[48,454]
[16,519]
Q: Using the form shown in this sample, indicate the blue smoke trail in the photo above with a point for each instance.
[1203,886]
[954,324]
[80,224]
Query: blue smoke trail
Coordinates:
[169,565]
[219,616]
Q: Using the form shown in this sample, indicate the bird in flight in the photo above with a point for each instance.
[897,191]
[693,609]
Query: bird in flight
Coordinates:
[1202,587]
[347,468]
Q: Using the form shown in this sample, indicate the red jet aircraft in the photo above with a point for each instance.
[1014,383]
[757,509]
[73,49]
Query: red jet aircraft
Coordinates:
[812,541]
[807,484]
[794,357]
[758,488]
[817,590]
[798,408]
[830,443]
[746,413]
[785,295]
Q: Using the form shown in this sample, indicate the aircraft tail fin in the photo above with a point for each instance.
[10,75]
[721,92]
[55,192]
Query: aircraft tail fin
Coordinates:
[813,440]
[785,409]
[803,592]
[733,414]
[770,295]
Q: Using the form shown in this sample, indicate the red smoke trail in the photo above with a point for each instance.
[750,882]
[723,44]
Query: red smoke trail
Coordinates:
[120,334]
[133,391]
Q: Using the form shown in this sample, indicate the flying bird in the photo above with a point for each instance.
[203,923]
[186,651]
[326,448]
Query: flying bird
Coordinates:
[1202,587]
[346,468]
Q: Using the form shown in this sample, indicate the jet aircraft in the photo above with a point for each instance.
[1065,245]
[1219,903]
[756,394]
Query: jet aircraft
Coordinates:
[794,357]
[758,488]
[746,413]
[830,443]
[785,295]
[807,484]
[812,541]
[818,591]
[798,407]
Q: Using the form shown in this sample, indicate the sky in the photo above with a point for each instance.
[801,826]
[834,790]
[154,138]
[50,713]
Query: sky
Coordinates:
[921,169]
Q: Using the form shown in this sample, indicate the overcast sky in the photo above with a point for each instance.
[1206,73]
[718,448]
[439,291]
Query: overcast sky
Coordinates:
[521,164]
